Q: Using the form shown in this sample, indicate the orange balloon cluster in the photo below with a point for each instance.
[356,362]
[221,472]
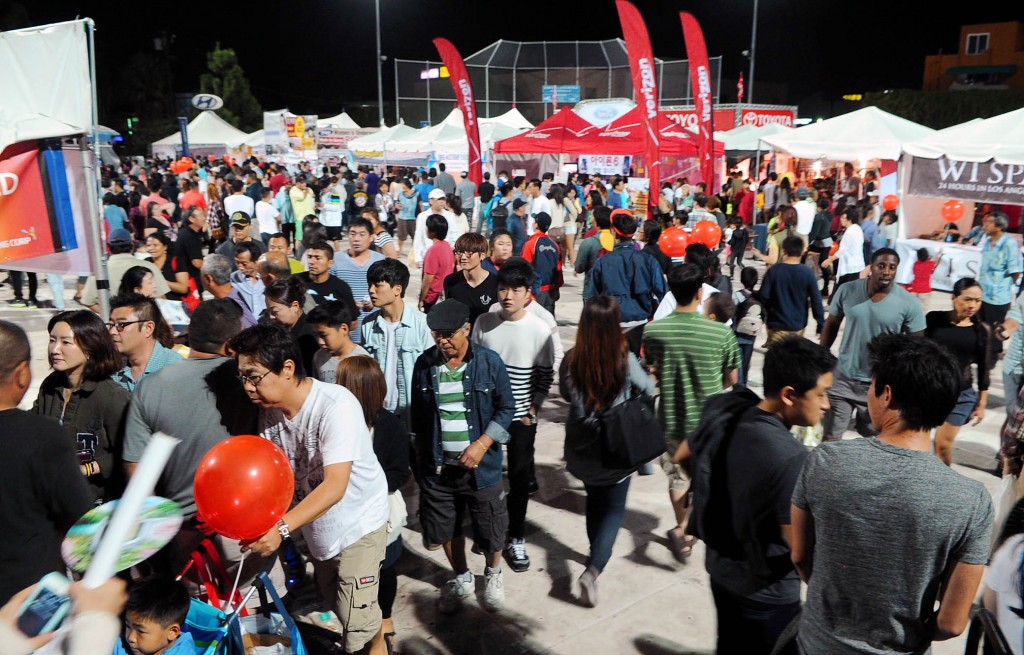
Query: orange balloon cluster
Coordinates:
[706,232]
[890,202]
[182,165]
[673,242]
[952,210]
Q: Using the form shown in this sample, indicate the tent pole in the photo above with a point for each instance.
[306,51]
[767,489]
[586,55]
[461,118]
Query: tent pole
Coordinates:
[90,159]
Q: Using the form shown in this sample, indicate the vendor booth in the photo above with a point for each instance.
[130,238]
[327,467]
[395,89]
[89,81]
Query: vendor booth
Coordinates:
[540,149]
[208,134]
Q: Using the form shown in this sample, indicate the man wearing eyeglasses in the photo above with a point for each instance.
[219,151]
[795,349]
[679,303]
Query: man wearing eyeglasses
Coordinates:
[462,406]
[472,284]
[133,326]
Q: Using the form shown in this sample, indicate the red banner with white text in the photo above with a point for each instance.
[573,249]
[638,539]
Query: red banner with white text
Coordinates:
[467,103]
[641,65]
[700,80]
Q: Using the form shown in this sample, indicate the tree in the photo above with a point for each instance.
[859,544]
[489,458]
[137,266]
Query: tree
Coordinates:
[941,109]
[227,80]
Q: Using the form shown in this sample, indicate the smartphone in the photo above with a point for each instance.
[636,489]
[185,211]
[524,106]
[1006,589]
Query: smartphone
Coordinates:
[46,607]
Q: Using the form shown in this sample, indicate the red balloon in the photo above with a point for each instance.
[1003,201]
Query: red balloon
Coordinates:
[243,486]
[834,249]
[706,232]
[952,210]
[890,202]
[673,242]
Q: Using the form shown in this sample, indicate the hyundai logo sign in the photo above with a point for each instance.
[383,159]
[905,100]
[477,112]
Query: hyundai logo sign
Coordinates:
[207,101]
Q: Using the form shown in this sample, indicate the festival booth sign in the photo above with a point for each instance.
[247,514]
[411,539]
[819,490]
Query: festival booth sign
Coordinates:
[981,161]
[334,133]
[48,188]
[208,134]
[542,148]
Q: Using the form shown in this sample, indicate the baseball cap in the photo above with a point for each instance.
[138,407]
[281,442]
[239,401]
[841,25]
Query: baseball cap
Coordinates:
[517,203]
[447,315]
[240,218]
[119,237]
[436,193]
[802,193]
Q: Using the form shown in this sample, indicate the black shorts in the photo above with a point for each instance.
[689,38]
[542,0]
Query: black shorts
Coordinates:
[335,233]
[444,503]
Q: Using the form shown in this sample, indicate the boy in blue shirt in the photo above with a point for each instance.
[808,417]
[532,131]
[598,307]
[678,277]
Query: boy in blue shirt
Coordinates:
[153,618]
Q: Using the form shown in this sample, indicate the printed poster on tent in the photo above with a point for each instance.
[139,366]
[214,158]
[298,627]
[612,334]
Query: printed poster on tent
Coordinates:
[275,133]
[605,164]
[301,135]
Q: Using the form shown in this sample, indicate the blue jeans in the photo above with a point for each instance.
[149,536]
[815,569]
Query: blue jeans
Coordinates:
[606,508]
[746,345]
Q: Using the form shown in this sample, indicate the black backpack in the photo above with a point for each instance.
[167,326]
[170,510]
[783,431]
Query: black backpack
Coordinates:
[499,214]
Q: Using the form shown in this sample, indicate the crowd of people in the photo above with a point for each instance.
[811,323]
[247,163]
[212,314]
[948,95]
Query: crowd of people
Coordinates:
[302,328]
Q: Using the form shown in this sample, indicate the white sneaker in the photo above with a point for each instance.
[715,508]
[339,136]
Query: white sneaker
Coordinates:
[453,593]
[494,592]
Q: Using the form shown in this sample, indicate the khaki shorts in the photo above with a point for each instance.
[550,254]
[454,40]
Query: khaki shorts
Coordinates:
[406,229]
[349,581]
[678,480]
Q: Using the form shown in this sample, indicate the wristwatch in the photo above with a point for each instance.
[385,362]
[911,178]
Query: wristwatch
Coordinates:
[282,528]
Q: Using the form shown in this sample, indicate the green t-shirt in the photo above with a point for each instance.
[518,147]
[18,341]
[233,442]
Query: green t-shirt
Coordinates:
[690,353]
[452,407]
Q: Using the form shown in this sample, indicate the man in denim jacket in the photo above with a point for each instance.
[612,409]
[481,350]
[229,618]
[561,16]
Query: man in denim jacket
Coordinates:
[461,409]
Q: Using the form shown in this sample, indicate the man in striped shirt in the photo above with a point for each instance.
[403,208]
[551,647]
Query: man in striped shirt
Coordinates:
[351,266]
[460,413]
[693,357]
[524,342]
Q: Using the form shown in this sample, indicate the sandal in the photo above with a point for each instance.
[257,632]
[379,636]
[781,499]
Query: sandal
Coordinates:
[389,641]
[681,547]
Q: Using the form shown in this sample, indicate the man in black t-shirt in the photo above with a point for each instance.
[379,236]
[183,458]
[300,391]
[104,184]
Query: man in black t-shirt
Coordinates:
[189,247]
[323,286]
[472,285]
[744,503]
[42,490]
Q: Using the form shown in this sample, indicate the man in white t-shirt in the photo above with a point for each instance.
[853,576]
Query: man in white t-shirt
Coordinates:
[538,203]
[341,495]
[805,211]
[438,205]
[267,216]
[238,201]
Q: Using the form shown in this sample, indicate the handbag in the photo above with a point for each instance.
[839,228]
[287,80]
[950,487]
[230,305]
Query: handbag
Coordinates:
[632,433]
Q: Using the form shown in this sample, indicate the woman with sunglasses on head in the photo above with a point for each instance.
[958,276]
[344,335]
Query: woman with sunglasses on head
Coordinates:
[81,396]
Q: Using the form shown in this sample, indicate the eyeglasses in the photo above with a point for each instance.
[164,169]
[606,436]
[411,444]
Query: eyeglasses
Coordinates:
[467,253]
[121,325]
[253,379]
[445,335]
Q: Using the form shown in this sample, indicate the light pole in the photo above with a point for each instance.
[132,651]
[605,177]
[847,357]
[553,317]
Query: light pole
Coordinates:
[753,43]
[380,83]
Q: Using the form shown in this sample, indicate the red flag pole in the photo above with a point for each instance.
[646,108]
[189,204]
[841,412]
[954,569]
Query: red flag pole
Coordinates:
[465,100]
[645,81]
[700,80]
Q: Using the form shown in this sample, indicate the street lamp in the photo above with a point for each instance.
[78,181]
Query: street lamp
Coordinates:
[380,65]
[753,42]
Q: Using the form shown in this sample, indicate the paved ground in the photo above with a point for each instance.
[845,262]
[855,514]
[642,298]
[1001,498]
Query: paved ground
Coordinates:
[649,603]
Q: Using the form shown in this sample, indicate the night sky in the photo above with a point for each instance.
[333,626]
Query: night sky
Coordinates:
[317,56]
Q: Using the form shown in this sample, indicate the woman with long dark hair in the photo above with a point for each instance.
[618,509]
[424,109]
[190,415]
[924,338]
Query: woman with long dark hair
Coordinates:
[363,377]
[596,375]
[161,253]
[81,396]
[787,221]
[968,338]
[285,300]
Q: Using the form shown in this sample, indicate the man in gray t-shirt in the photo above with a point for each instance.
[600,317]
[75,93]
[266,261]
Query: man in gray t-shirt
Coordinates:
[882,529]
[872,306]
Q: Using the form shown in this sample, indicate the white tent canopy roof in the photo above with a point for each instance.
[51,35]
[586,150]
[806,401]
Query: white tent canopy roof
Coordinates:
[253,140]
[512,118]
[748,137]
[377,141]
[206,129]
[1000,139]
[342,120]
[867,133]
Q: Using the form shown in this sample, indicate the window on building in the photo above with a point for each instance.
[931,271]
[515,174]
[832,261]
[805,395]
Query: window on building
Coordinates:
[977,43]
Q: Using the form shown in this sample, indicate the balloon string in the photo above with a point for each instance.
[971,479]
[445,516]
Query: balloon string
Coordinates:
[238,577]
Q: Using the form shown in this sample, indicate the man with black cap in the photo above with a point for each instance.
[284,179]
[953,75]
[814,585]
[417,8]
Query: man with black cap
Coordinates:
[460,421]
[516,225]
[241,228]
[120,260]
[629,275]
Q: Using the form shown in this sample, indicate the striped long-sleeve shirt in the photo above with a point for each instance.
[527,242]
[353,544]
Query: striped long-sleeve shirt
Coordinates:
[527,348]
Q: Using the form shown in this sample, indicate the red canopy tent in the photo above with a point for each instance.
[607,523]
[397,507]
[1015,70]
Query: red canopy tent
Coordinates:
[555,135]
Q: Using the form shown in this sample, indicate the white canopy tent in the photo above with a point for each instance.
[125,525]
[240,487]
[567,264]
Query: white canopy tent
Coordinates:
[748,137]
[867,133]
[512,118]
[254,144]
[341,121]
[376,142]
[999,139]
[208,133]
